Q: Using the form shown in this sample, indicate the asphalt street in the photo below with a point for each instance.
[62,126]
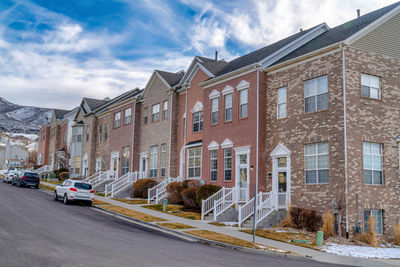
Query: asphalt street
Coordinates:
[37,231]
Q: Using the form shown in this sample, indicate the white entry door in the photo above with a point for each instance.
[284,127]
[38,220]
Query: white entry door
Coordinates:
[281,174]
[114,164]
[242,173]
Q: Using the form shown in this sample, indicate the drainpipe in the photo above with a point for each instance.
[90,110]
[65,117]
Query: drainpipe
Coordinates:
[345,138]
[170,132]
[133,133]
[184,136]
[256,183]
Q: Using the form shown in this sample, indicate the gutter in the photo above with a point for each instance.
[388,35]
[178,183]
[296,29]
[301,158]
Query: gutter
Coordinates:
[211,82]
[345,138]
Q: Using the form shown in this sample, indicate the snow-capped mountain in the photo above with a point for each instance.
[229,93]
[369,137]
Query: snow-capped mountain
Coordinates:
[22,119]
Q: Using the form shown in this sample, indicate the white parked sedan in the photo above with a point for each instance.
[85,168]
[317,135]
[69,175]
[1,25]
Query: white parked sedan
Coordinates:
[10,175]
[74,190]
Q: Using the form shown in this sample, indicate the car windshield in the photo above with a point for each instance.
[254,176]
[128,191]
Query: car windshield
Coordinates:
[31,175]
[83,186]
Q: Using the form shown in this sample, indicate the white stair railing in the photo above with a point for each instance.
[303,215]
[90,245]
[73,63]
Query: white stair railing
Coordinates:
[207,205]
[92,177]
[101,178]
[245,211]
[122,183]
[44,169]
[226,201]
[267,204]
[158,191]
[109,187]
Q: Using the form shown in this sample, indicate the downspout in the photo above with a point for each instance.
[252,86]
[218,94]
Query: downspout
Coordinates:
[256,183]
[345,138]
[170,132]
[133,134]
[184,136]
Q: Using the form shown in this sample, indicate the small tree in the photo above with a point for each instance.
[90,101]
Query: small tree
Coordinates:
[33,159]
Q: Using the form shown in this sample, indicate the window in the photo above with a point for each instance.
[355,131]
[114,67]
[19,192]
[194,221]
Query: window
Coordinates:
[213,165]
[100,133]
[155,112]
[117,119]
[163,158]
[316,163]
[125,159]
[227,164]
[79,138]
[87,133]
[214,111]
[105,132]
[197,121]
[377,215]
[77,164]
[165,109]
[153,161]
[228,107]
[127,115]
[194,166]
[145,115]
[372,157]
[243,103]
[104,163]
[281,103]
[316,94]
[65,136]
[370,86]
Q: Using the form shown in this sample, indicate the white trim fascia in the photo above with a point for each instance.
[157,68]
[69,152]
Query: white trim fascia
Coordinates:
[114,154]
[227,143]
[243,85]
[214,94]
[194,145]
[320,29]
[184,78]
[227,90]
[197,107]
[242,150]
[334,48]
[143,155]
[228,76]
[195,70]
[280,151]
[364,31]
[213,146]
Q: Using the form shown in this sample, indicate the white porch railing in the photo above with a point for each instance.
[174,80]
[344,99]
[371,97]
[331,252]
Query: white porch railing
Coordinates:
[93,177]
[122,183]
[100,178]
[266,207]
[207,205]
[44,169]
[226,201]
[159,191]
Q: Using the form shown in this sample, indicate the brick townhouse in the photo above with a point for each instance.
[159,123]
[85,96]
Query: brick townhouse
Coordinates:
[157,127]
[57,128]
[44,138]
[190,116]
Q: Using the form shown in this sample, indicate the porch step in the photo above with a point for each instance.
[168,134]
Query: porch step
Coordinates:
[275,218]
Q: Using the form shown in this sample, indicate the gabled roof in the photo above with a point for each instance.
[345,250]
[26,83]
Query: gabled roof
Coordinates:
[339,33]
[127,95]
[60,113]
[171,78]
[262,53]
[94,103]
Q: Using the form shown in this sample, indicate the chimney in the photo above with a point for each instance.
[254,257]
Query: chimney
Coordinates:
[358,13]
[301,29]
[216,55]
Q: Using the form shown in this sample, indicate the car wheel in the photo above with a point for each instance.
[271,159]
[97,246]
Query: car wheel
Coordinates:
[90,203]
[37,187]
[55,197]
[65,200]
[19,184]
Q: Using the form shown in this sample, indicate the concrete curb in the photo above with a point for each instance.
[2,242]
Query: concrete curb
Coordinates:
[192,238]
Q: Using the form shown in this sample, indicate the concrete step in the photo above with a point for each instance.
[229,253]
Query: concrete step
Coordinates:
[275,218]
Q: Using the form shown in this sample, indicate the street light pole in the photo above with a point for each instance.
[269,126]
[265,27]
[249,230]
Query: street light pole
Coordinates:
[255,209]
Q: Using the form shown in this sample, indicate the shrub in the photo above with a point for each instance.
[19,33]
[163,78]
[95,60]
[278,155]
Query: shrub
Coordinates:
[328,224]
[311,220]
[287,222]
[189,198]
[60,170]
[51,175]
[295,215]
[140,187]
[63,175]
[370,236]
[174,190]
[396,231]
[205,191]
[191,183]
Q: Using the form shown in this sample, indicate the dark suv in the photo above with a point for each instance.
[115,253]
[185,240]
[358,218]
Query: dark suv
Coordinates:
[27,179]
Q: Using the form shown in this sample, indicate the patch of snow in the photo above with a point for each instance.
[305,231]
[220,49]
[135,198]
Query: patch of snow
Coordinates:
[230,223]
[362,252]
[31,137]
[272,249]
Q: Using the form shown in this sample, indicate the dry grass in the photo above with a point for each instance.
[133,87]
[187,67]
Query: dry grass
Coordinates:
[175,225]
[396,231]
[100,194]
[177,211]
[134,214]
[53,182]
[99,202]
[46,187]
[328,224]
[132,201]
[369,238]
[217,224]
[287,237]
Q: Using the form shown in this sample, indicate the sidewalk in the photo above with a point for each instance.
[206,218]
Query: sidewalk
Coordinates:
[234,232]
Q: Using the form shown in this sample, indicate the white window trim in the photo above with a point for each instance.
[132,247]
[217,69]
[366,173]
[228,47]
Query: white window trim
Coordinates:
[379,88]
[227,90]
[227,143]
[197,107]
[231,157]
[213,146]
[214,94]
[211,159]
[201,165]
[317,169]
[372,169]
[243,85]
[282,103]
[315,95]
[216,111]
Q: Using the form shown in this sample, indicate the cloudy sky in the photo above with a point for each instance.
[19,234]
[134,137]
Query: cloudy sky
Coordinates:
[54,52]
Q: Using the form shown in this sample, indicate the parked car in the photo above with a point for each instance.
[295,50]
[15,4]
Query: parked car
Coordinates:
[74,190]
[10,175]
[3,174]
[26,178]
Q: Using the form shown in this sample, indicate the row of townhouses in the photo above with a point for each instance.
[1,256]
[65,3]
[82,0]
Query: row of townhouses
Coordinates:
[314,117]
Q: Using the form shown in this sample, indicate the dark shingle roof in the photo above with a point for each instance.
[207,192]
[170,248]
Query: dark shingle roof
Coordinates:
[95,103]
[214,66]
[171,78]
[339,33]
[259,54]
[60,113]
